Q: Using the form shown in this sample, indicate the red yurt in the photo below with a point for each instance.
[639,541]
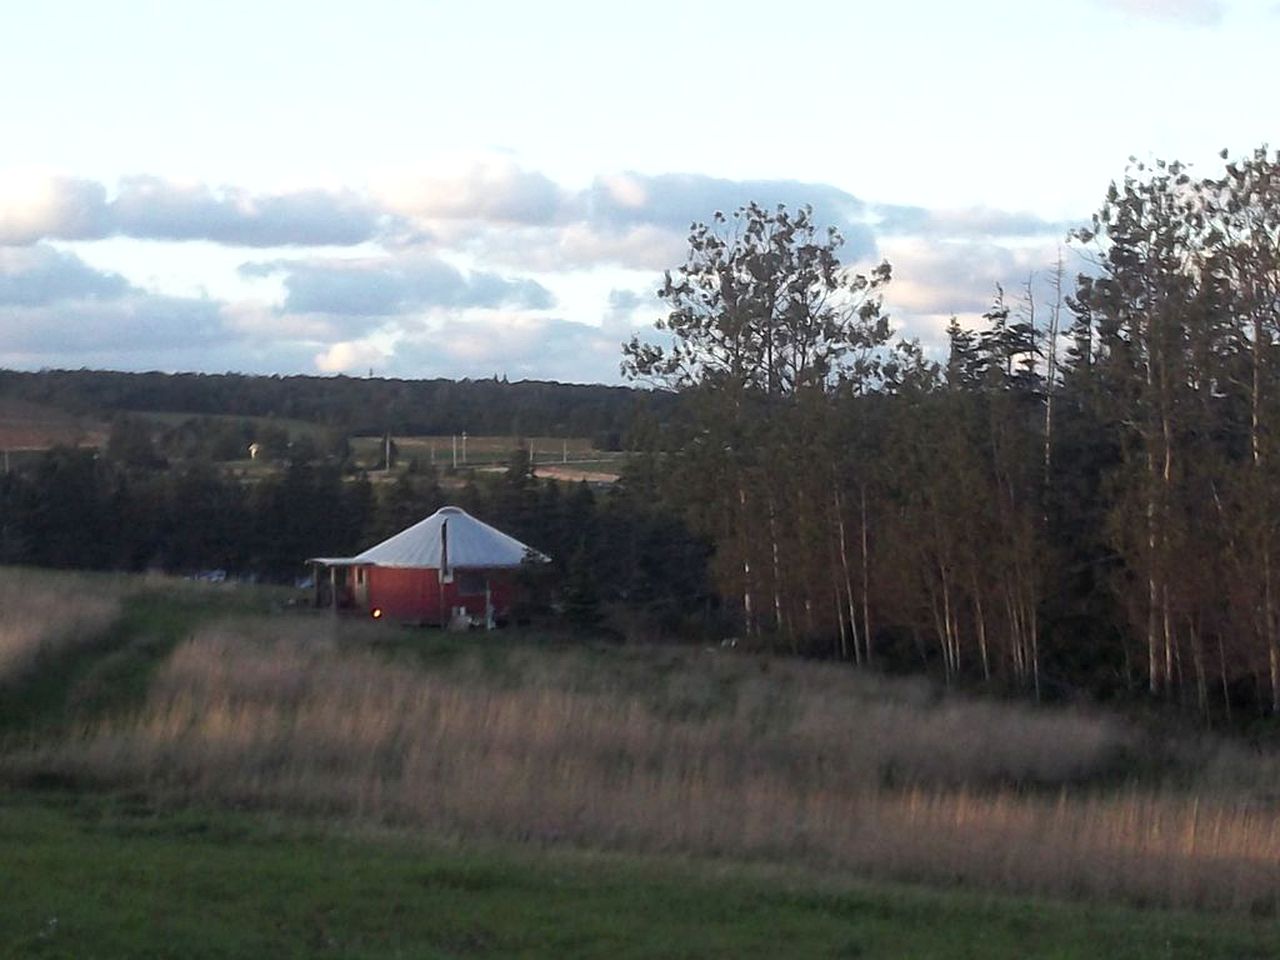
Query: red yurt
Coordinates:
[445,569]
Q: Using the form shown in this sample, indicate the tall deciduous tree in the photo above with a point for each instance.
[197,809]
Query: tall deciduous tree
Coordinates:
[766,329]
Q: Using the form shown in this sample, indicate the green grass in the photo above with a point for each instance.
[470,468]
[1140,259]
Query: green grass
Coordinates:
[110,877]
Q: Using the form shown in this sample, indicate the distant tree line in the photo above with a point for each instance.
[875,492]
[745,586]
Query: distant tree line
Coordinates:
[351,405]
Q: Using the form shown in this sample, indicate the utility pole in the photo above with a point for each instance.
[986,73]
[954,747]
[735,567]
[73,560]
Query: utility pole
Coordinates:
[464,448]
[455,451]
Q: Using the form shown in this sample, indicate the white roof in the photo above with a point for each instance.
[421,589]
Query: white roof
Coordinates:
[470,543]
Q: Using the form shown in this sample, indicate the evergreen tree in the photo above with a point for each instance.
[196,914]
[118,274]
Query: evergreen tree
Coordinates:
[580,593]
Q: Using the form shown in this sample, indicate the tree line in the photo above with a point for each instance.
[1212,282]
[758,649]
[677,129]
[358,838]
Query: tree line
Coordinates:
[348,405]
[1082,496]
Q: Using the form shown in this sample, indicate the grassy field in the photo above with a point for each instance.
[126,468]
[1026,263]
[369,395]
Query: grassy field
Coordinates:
[42,622]
[31,426]
[119,878]
[81,646]
[429,794]
[700,753]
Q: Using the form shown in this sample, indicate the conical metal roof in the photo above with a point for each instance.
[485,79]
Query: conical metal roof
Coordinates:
[450,537]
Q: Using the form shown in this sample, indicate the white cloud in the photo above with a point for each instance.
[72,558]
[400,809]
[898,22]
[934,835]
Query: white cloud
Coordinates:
[383,286]
[521,346]
[450,274]
[161,209]
[38,206]
[489,188]
[944,278]
[266,323]
[350,356]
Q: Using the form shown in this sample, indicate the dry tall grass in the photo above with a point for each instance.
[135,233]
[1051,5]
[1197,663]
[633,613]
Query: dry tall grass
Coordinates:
[43,613]
[879,779]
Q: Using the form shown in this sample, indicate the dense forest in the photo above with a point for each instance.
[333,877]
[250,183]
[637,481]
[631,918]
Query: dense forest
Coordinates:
[1080,498]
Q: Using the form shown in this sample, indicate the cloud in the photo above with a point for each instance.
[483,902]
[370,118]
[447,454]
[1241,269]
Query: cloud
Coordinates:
[580,246]
[642,222]
[490,207]
[350,356]
[33,276]
[969,222]
[1195,12]
[674,201]
[407,303]
[493,189]
[497,210]
[58,309]
[387,286]
[139,322]
[265,323]
[960,278]
[624,301]
[625,308]
[152,208]
[519,345]
[935,281]
[36,207]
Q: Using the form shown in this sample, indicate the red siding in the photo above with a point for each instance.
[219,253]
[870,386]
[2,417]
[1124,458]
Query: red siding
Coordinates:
[416,594]
[403,594]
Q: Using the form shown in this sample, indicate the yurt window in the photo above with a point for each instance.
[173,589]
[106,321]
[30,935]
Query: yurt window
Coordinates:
[470,584]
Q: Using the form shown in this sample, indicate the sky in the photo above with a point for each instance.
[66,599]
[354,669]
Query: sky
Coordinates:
[432,189]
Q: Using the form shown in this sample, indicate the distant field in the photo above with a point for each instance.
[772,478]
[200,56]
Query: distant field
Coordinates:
[574,453]
[29,426]
[599,471]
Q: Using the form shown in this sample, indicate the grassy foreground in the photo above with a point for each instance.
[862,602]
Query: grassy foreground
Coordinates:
[111,878]
[429,795]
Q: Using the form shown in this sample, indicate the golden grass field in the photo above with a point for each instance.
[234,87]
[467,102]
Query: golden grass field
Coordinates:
[41,616]
[706,753]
